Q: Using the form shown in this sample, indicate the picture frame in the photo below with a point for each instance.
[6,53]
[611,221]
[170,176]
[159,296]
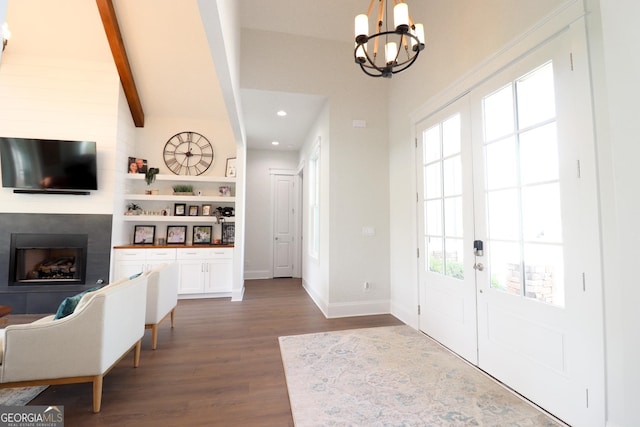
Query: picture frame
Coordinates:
[205,210]
[193,210]
[144,234]
[176,234]
[231,167]
[202,234]
[228,233]
[136,165]
[179,209]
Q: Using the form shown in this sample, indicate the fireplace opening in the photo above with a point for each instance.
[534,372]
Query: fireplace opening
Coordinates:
[47,259]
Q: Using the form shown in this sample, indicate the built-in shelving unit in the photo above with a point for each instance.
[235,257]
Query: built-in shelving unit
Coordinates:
[160,208]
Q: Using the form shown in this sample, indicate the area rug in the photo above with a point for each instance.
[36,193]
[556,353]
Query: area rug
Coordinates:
[393,376]
[19,396]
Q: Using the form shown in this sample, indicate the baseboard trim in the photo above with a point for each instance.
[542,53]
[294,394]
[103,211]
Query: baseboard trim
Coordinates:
[358,308]
[408,315]
[257,274]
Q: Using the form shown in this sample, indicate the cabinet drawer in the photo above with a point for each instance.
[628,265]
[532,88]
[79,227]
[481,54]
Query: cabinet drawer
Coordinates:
[130,254]
[221,253]
[161,254]
[192,253]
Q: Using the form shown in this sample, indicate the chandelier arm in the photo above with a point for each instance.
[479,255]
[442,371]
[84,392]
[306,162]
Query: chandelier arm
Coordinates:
[370,8]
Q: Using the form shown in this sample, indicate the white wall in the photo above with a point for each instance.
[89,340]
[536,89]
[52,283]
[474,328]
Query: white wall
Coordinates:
[42,97]
[258,256]
[357,159]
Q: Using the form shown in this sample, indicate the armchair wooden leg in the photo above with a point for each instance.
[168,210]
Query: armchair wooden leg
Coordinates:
[154,337]
[97,393]
[136,354]
[173,315]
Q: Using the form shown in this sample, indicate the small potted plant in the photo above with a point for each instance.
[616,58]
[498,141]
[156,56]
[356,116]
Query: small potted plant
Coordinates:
[150,177]
[183,190]
[133,209]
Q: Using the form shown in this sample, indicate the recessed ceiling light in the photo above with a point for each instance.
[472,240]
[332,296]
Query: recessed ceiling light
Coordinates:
[281,113]
[275,143]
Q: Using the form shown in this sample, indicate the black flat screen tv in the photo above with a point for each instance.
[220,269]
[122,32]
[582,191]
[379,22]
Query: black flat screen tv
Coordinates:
[48,164]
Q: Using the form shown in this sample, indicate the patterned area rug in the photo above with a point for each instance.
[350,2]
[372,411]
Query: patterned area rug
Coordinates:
[19,396]
[393,376]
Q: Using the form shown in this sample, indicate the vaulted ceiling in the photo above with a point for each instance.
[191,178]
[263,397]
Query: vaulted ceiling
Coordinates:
[169,57]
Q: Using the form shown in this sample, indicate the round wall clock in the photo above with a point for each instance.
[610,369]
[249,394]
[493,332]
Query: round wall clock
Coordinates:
[188,153]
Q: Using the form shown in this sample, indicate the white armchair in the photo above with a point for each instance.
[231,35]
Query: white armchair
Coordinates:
[82,347]
[162,298]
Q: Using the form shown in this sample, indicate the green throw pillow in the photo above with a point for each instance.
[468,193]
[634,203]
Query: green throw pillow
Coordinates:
[69,304]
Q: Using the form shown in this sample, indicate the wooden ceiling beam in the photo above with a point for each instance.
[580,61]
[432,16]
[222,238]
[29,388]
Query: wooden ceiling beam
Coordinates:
[111,28]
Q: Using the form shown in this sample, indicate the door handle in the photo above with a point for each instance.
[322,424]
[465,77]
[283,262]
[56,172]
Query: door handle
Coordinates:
[479,266]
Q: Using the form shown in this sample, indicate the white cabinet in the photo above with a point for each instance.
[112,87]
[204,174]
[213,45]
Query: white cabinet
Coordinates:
[133,261]
[204,271]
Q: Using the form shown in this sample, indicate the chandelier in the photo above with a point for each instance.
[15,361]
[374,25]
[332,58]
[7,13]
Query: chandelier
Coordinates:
[402,44]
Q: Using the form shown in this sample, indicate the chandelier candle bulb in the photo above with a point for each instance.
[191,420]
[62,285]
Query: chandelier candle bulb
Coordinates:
[362,28]
[401,17]
[361,53]
[391,52]
[418,31]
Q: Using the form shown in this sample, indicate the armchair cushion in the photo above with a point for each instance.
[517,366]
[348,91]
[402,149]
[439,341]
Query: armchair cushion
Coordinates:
[69,304]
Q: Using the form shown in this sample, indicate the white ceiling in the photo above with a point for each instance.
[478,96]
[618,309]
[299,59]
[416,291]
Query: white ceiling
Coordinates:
[170,59]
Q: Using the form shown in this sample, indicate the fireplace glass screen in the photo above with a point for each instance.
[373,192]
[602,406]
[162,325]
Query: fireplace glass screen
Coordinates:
[38,259]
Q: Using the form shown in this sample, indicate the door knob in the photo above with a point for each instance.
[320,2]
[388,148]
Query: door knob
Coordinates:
[479,266]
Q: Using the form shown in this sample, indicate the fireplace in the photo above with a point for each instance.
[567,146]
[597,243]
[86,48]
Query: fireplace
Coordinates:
[47,259]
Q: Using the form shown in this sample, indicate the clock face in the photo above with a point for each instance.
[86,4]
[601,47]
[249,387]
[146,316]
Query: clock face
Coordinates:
[188,153]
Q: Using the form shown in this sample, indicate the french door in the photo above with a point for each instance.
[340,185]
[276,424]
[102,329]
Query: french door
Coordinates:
[525,246]
[447,281]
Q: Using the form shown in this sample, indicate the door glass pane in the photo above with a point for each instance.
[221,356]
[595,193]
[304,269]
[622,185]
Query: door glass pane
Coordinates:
[501,164]
[432,181]
[541,215]
[452,176]
[454,263]
[451,136]
[433,217]
[505,267]
[498,114]
[544,273]
[431,144]
[504,215]
[453,217]
[523,189]
[434,254]
[536,97]
[539,154]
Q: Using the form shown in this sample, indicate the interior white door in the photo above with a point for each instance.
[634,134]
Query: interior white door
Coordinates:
[445,209]
[283,225]
[539,293]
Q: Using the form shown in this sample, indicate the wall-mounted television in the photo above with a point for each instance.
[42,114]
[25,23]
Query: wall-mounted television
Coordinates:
[48,165]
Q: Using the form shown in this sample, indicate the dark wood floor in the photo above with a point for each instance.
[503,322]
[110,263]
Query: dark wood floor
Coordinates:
[220,365]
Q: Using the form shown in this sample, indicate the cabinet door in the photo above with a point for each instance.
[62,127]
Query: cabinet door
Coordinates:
[191,276]
[220,275]
[127,269]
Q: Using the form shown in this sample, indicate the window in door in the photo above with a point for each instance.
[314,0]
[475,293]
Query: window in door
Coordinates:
[523,188]
[442,163]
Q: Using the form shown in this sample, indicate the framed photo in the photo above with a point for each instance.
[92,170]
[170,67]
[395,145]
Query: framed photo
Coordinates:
[231,167]
[144,234]
[136,165]
[179,209]
[228,233]
[206,210]
[176,234]
[193,210]
[202,234]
